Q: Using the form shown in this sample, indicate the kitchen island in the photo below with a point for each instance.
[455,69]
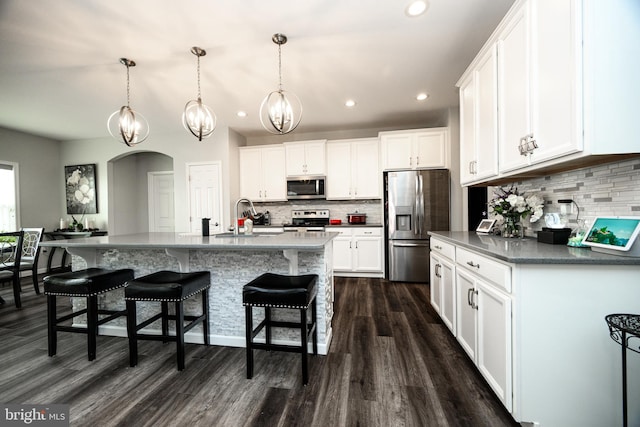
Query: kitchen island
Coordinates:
[232,260]
[531,316]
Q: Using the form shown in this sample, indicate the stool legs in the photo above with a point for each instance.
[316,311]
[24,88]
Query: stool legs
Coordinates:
[180,334]
[304,346]
[249,335]
[92,326]
[131,332]
[51,325]
[205,310]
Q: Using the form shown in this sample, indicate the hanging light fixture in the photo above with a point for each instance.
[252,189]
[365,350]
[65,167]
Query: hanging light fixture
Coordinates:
[126,125]
[197,118]
[281,111]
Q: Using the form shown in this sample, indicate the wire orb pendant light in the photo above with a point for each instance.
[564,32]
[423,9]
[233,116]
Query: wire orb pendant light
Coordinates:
[125,124]
[281,111]
[197,118]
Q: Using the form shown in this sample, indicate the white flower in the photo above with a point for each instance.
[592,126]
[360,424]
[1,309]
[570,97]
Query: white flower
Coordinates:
[74,178]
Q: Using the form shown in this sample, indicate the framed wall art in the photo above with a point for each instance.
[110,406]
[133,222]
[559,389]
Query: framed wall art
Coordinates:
[80,184]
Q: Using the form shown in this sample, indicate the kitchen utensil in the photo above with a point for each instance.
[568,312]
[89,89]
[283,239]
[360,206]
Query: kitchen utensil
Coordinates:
[357,218]
[335,221]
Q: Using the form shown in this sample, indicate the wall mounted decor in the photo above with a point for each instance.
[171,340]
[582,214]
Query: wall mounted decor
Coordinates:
[80,185]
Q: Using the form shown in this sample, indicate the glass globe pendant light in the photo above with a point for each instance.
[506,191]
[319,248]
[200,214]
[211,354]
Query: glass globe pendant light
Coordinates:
[125,124]
[197,118]
[281,111]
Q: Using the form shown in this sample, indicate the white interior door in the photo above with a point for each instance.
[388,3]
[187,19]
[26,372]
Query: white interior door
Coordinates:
[161,205]
[205,196]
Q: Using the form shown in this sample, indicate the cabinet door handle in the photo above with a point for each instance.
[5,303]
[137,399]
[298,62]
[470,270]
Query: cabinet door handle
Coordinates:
[417,160]
[438,247]
[260,194]
[471,167]
[469,292]
[437,270]
[350,247]
[472,264]
[410,161]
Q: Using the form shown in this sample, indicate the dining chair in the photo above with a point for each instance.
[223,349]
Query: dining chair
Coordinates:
[31,253]
[10,255]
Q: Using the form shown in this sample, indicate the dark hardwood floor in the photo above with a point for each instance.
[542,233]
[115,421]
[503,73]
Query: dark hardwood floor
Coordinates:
[391,363]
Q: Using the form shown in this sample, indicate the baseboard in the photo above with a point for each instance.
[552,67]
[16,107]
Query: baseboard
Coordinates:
[196,337]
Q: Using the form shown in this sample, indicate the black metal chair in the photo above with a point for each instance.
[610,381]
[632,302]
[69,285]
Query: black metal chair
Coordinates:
[10,255]
[165,287]
[87,284]
[279,291]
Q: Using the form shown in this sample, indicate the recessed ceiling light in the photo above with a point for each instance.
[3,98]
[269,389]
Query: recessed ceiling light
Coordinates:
[241,114]
[422,96]
[416,8]
[350,103]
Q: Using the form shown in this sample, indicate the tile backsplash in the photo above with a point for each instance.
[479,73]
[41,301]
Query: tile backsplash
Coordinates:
[607,189]
[280,212]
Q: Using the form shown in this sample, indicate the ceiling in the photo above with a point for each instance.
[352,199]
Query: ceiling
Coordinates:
[60,75]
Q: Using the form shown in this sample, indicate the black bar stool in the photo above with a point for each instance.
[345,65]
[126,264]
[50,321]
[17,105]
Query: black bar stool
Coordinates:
[279,291]
[87,284]
[622,328]
[165,287]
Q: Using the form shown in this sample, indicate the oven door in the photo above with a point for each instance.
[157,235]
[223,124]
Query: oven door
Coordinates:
[305,188]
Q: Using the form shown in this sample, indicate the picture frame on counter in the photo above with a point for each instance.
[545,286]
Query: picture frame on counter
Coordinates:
[485,226]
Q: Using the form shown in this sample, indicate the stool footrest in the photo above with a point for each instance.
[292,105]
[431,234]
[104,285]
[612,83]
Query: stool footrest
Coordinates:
[277,347]
[113,314]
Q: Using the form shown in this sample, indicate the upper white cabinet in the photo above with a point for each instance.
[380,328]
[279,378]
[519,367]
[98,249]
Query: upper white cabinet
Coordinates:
[262,173]
[479,120]
[539,83]
[353,169]
[415,149]
[305,158]
[564,93]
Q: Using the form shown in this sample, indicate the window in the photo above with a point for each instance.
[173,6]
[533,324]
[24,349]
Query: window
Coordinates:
[8,196]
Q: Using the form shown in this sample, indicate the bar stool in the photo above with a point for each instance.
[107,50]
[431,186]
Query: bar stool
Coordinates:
[279,291]
[88,283]
[622,328]
[165,287]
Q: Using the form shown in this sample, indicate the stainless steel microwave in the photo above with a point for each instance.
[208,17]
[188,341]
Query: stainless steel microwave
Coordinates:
[305,187]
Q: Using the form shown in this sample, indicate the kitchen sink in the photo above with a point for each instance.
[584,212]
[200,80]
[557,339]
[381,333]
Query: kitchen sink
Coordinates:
[246,235]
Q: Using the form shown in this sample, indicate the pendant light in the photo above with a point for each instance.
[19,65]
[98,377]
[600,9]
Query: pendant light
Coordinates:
[281,111]
[125,124]
[197,118]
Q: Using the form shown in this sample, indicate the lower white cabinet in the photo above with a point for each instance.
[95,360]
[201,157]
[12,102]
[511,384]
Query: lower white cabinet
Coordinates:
[358,251]
[442,282]
[484,319]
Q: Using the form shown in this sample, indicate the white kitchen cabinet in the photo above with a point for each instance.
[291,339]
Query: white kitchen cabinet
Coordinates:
[353,169]
[556,96]
[262,176]
[442,282]
[305,158]
[358,251]
[479,121]
[539,83]
[484,319]
[415,149]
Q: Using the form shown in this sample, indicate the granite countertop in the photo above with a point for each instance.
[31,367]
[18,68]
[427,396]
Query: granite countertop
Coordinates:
[288,240]
[529,250]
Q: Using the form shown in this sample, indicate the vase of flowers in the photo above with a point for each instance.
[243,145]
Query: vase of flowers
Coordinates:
[510,208]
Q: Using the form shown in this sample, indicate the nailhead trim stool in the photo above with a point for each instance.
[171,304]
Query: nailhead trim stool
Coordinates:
[279,291]
[88,283]
[167,286]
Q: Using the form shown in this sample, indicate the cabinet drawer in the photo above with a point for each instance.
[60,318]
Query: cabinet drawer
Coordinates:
[342,230]
[445,249]
[497,273]
[367,231]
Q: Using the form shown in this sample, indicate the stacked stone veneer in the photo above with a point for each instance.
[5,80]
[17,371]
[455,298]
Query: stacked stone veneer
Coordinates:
[607,189]
[230,271]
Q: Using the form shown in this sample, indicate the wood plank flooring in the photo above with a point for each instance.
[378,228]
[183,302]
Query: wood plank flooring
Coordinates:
[391,363]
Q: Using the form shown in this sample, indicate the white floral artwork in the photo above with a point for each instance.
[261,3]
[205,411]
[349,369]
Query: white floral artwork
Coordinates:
[80,183]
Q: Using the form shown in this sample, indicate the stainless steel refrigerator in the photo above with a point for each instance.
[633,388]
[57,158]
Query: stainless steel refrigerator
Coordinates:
[416,202]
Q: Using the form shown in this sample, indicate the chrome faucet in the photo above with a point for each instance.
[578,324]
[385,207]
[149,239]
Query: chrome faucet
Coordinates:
[235,212]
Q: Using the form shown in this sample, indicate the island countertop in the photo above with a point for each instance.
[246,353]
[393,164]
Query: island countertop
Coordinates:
[529,250]
[281,241]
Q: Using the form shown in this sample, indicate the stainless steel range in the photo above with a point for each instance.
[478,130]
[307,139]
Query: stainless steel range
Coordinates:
[308,220]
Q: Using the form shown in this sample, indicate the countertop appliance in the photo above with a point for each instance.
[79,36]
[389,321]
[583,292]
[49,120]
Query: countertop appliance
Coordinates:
[416,202]
[305,187]
[305,220]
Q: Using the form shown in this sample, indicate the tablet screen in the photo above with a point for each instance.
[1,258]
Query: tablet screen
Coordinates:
[616,233]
